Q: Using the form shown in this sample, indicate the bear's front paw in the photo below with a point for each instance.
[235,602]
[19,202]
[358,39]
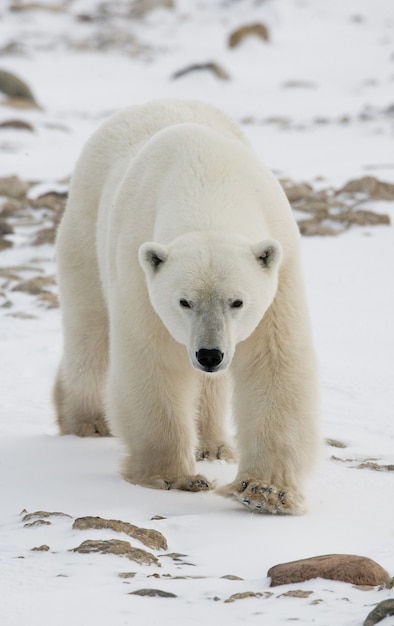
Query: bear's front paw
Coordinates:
[261,497]
[214,451]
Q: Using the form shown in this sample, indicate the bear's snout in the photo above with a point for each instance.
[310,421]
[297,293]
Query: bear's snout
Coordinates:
[209,359]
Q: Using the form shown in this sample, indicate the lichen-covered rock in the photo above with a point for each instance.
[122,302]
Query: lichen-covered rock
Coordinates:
[349,568]
[149,537]
[153,593]
[382,610]
[120,548]
[371,187]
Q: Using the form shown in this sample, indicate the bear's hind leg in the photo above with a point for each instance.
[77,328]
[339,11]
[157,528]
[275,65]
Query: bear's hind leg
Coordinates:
[213,408]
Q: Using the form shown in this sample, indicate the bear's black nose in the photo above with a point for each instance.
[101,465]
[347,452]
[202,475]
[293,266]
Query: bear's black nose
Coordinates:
[209,359]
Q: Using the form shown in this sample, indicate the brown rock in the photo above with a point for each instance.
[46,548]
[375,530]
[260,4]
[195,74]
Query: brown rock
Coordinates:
[17,124]
[296,593]
[313,227]
[348,568]
[12,207]
[370,186]
[52,200]
[35,286]
[258,30]
[13,187]
[140,7]
[297,192]
[41,514]
[4,244]
[243,595]
[149,537]
[120,548]
[213,67]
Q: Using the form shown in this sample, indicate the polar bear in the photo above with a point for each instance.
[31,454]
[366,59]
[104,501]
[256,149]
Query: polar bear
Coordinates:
[181,289]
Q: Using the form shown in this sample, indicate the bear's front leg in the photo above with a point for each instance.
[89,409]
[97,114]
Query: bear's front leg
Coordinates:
[276,409]
[152,406]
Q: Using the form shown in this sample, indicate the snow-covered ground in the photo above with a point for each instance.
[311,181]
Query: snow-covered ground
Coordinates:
[317,103]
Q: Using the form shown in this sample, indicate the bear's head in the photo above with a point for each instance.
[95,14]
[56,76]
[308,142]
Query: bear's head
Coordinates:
[211,292]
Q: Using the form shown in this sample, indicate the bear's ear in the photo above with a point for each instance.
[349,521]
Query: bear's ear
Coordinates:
[151,256]
[268,253]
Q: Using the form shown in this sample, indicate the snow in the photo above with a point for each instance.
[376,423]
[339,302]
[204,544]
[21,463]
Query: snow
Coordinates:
[341,56]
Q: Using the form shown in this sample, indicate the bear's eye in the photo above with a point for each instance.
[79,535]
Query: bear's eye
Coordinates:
[236,304]
[184,304]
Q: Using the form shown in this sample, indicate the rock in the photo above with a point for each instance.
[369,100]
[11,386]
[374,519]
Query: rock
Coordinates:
[12,207]
[349,568]
[149,537]
[120,548]
[49,300]
[242,596]
[33,6]
[152,593]
[257,30]
[13,187]
[42,514]
[295,193]
[312,227]
[17,124]
[377,467]
[38,522]
[382,610]
[335,443]
[364,218]
[213,67]
[5,228]
[140,7]
[44,236]
[52,200]
[370,186]
[16,88]
[35,286]
[5,244]
[43,548]
[296,593]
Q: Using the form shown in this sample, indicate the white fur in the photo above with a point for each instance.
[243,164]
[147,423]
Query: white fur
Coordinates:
[177,253]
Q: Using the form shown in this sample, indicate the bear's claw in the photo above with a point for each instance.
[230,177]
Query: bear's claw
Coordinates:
[184,483]
[261,497]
